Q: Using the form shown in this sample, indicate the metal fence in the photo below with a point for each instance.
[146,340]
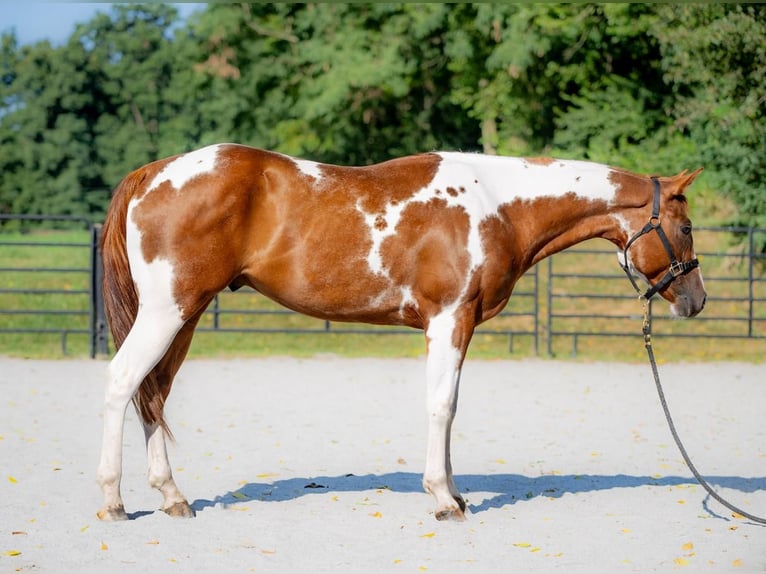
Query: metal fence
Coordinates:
[66,300]
[50,285]
[587,296]
[58,294]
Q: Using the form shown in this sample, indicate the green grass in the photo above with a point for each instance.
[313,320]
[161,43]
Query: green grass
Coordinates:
[69,250]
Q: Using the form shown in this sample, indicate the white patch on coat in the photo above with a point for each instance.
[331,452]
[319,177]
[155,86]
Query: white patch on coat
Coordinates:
[512,178]
[480,184]
[154,280]
[309,168]
[186,167]
[625,226]
[442,364]
[390,219]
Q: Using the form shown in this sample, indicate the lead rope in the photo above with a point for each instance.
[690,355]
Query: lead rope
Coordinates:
[647,329]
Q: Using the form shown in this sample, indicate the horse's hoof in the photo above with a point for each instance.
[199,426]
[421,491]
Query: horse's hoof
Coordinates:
[452,514]
[112,514]
[179,510]
[460,503]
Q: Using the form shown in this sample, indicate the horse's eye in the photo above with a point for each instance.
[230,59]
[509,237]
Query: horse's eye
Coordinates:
[686,229]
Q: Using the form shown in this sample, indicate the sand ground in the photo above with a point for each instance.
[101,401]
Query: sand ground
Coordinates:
[315,466]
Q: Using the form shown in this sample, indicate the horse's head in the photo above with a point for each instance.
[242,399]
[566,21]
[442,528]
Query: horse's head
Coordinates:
[659,247]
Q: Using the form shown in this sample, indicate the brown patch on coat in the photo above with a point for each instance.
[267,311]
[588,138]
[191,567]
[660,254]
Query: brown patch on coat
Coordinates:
[544,161]
[380,223]
[383,184]
[428,252]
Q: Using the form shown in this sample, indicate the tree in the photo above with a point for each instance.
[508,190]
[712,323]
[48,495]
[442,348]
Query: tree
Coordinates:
[346,83]
[649,87]
[714,58]
[75,119]
[45,141]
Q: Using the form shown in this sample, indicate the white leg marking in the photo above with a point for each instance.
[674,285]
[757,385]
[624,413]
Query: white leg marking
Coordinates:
[147,342]
[442,379]
[160,475]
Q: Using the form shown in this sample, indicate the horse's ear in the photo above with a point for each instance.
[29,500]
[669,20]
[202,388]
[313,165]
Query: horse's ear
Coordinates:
[684,180]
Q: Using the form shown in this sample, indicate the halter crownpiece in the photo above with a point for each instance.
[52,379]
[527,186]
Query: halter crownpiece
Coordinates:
[676,268]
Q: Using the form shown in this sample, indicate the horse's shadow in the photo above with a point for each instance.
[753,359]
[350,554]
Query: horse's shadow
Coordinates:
[510,489]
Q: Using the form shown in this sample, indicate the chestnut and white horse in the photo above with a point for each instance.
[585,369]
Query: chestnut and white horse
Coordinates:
[433,241]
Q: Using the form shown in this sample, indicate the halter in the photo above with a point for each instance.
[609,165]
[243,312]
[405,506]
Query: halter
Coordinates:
[676,268]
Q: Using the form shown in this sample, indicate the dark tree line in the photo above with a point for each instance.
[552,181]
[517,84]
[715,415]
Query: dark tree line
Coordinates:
[651,87]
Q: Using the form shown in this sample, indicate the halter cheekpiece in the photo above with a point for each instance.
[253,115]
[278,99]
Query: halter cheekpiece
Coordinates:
[676,268]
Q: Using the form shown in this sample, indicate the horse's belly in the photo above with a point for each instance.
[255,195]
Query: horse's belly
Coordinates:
[361,301]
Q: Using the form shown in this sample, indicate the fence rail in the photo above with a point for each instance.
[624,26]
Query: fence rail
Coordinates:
[53,287]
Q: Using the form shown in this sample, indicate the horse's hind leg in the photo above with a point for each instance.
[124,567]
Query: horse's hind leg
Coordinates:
[145,345]
[160,475]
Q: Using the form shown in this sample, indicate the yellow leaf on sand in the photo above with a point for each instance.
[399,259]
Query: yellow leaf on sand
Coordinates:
[737,515]
[153,542]
[687,546]
[104,546]
[266,475]
[376,514]
[522,544]
[681,561]
[737,563]
[12,553]
[428,535]
[12,480]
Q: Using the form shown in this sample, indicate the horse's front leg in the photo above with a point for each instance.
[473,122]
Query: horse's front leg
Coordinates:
[447,342]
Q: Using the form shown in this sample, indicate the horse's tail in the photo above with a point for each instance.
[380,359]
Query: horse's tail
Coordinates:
[121,297]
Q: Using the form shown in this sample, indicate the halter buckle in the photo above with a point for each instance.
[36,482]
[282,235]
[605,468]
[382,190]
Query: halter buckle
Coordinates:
[676,268]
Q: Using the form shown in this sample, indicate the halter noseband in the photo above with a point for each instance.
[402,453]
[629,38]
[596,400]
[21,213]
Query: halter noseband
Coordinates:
[676,268]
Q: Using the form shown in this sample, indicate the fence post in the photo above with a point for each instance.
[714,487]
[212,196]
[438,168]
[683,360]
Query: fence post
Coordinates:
[536,309]
[750,280]
[99,338]
[550,306]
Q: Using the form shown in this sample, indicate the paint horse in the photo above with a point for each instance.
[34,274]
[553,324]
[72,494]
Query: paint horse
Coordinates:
[433,241]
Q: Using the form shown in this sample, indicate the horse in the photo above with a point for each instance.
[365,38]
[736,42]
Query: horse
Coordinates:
[434,241]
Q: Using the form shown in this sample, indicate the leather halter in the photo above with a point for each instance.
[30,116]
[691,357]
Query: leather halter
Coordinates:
[676,268]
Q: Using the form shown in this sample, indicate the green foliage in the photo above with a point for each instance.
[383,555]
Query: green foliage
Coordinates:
[714,57]
[651,87]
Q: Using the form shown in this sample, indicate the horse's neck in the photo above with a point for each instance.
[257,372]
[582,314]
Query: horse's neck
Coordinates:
[555,204]
[571,226]
[547,225]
